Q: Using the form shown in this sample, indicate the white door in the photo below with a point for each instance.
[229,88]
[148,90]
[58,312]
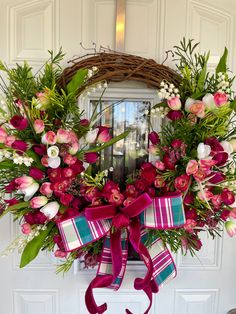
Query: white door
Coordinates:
[205,284]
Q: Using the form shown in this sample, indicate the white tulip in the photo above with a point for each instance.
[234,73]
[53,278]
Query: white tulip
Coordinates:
[209,102]
[91,136]
[228,148]
[54,162]
[53,151]
[203,151]
[30,191]
[50,210]
[188,103]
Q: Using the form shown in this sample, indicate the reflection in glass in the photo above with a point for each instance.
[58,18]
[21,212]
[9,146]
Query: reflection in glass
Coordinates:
[126,155]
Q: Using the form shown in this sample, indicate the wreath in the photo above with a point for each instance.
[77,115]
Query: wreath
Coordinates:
[47,148]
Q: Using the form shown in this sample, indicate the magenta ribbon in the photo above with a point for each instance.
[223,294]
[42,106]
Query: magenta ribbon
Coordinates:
[126,217]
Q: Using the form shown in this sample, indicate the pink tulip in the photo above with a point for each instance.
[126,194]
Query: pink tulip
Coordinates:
[220,99]
[74,147]
[10,139]
[104,136]
[23,182]
[38,201]
[26,228]
[91,158]
[232,213]
[49,138]
[192,167]
[174,103]
[230,227]
[38,126]
[3,135]
[205,195]
[45,189]
[63,136]
[206,164]
[19,122]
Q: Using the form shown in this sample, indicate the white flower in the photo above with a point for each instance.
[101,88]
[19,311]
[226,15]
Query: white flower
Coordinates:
[188,103]
[53,151]
[203,151]
[50,210]
[54,162]
[228,148]
[209,102]
[91,136]
[30,191]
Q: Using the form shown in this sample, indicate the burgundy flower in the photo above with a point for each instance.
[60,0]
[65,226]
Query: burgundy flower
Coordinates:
[149,174]
[36,173]
[19,122]
[58,240]
[29,218]
[20,146]
[151,191]
[77,167]
[189,199]
[141,184]
[12,201]
[154,138]
[76,203]
[60,187]
[11,187]
[130,190]
[191,213]
[84,122]
[68,172]
[169,161]
[54,174]
[109,186]
[66,199]
[227,197]
[225,214]
[174,115]
[217,177]
[214,144]
[39,218]
[40,149]
[176,143]
[91,158]
[221,158]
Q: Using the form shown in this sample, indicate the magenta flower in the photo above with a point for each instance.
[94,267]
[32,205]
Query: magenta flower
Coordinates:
[91,158]
[45,189]
[36,173]
[220,99]
[104,136]
[154,138]
[19,122]
[217,177]
[221,158]
[182,182]
[40,149]
[175,115]
[192,167]
[19,146]
[227,197]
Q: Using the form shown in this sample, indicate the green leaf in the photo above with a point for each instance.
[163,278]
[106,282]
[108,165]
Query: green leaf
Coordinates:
[77,81]
[15,207]
[2,67]
[233,105]
[33,247]
[36,159]
[222,65]
[5,164]
[109,143]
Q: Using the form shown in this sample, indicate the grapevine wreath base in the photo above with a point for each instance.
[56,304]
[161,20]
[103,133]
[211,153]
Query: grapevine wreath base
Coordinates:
[48,184]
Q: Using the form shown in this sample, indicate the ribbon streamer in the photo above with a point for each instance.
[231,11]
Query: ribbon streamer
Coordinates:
[131,224]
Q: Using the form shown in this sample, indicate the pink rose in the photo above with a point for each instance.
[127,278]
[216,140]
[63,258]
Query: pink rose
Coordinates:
[49,138]
[43,98]
[216,200]
[3,135]
[206,195]
[159,181]
[38,126]
[181,183]
[38,201]
[198,108]
[63,136]
[45,189]
[154,138]
[69,159]
[174,103]
[200,175]
[54,174]
[19,122]
[220,99]
[192,167]
[68,173]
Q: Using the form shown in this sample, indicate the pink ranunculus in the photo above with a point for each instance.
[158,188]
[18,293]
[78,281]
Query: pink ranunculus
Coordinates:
[192,167]
[40,149]
[49,138]
[182,182]
[189,225]
[19,146]
[116,198]
[174,115]
[216,177]
[44,161]
[55,175]
[159,181]
[230,227]
[38,126]
[10,139]
[26,228]
[154,138]
[220,99]
[23,182]
[174,103]
[69,159]
[36,173]
[3,135]
[45,189]
[200,175]
[198,108]
[19,122]
[38,201]
[160,165]
[68,172]
[104,136]
[63,136]
[227,197]
[91,158]
[206,164]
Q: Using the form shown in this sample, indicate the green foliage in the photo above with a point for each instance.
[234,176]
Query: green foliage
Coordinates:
[77,81]
[33,247]
[222,65]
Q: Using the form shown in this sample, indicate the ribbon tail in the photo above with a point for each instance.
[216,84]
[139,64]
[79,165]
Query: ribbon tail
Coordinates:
[111,270]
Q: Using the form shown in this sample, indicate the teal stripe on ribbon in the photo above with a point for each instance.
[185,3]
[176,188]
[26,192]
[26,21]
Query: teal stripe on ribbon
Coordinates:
[83,229]
[177,211]
[165,274]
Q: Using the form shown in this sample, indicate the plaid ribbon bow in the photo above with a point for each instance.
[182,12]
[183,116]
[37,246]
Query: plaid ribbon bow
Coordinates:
[161,213]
